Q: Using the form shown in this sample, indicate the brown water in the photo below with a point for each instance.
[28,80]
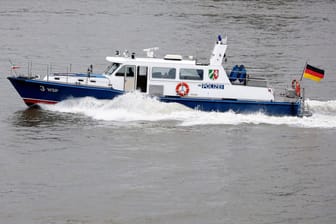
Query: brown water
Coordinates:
[136,160]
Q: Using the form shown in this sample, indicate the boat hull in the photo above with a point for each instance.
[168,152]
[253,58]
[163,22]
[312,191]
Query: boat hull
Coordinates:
[240,106]
[35,91]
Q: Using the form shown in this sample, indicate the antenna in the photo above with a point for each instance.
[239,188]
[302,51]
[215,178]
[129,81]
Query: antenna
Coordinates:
[13,67]
[150,51]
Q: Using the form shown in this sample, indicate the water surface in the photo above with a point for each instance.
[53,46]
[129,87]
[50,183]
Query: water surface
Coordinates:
[136,160]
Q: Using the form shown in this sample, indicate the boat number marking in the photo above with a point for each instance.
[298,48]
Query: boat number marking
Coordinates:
[211,86]
[51,90]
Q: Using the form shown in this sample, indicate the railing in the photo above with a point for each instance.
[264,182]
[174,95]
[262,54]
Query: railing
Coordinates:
[250,81]
[42,70]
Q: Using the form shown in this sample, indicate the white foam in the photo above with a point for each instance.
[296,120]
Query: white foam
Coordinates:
[322,107]
[128,107]
[139,107]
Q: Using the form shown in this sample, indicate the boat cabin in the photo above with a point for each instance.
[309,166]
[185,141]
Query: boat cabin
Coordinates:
[173,76]
[161,76]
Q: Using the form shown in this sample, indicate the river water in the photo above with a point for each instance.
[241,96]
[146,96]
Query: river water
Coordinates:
[137,160]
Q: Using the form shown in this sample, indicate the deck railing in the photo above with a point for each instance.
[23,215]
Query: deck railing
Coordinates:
[42,70]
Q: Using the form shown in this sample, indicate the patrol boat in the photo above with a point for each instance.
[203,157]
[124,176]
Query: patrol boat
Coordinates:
[201,86]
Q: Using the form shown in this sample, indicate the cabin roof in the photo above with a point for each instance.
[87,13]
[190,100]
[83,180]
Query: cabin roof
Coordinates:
[152,61]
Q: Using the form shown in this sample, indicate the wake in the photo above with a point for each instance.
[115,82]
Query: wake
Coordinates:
[136,106]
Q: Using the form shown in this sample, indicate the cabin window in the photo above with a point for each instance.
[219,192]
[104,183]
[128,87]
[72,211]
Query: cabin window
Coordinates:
[127,70]
[111,68]
[121,71]
[191,74]
[163,73]
[130,71]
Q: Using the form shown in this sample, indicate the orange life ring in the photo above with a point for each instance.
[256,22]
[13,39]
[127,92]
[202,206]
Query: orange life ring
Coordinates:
[182,89]
[296,86]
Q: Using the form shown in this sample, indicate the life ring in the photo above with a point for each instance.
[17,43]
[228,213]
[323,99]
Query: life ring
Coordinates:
[182,89]
[296,86]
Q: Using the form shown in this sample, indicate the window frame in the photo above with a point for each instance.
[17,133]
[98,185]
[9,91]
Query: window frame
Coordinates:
[197,78]
[165,70]
[125,73]
[108,69]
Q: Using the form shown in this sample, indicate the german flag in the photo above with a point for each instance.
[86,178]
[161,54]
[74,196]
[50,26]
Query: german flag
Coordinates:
[313,73]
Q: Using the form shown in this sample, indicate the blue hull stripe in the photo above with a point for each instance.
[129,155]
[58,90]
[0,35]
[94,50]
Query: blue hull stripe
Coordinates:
[49,92]
[240,106]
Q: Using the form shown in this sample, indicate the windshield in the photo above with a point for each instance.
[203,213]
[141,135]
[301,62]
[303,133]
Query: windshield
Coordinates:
[111,68]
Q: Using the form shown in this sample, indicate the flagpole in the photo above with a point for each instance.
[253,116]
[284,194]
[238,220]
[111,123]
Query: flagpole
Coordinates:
[12,65]
[303,91]
[304,68]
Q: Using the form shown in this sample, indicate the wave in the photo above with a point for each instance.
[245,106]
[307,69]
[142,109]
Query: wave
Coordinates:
[140,107]
[322,107]
[133,106]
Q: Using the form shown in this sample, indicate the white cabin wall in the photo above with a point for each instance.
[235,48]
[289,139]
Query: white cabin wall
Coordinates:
[249,93]
[78,80]
[117,82]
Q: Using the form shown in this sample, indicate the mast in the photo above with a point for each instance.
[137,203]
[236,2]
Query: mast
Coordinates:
[218,52]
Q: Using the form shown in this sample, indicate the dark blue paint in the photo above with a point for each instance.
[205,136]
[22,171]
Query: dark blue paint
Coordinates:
[31,88]
[239,106]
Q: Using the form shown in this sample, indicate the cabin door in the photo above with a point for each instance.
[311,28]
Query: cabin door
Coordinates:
[141,80]
[129,78]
